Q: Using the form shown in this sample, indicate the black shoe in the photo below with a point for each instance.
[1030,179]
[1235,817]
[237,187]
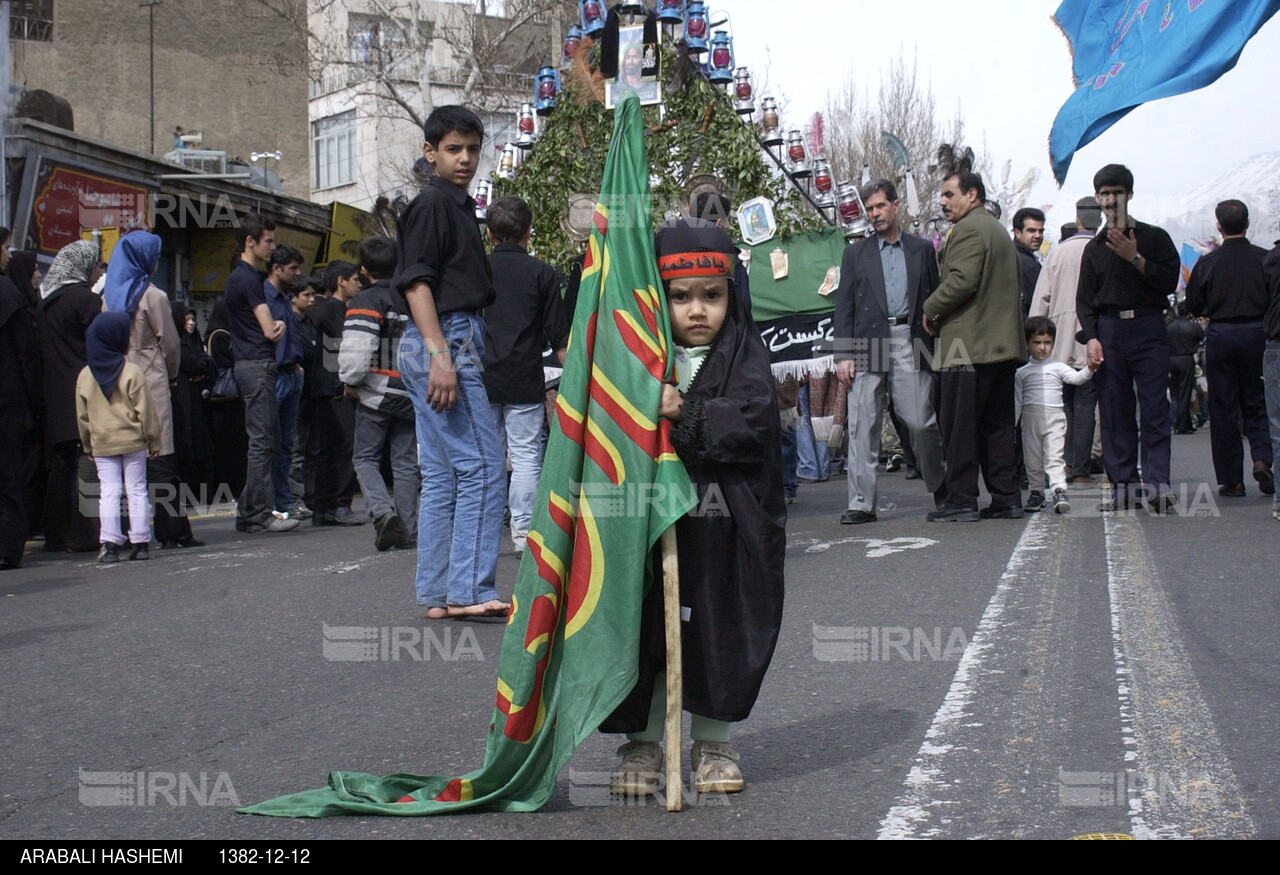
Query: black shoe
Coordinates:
[343,516]
[1012,512]
[1162,502]
[7,564]
[390,531]
[948,514]
[108,554]
[140,551]
[854,517]
[179,543]
[894,463]
[241,525]
[1266,479]
[1035,502]
[913,473]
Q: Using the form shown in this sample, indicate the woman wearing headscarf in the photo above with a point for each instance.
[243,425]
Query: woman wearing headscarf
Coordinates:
[192,432]
[67,307]
[119,429]
[24,271]
[154,348]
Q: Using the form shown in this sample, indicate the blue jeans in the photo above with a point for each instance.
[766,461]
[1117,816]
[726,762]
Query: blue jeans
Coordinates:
[522,427]
[460,458]
[811,452]
[257,383]
[288,401]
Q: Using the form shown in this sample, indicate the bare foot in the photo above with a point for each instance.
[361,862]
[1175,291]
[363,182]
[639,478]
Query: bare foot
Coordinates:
[437,613]
[491,608]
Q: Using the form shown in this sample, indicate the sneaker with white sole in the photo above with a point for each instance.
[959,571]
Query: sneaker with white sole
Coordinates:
[715,768]
[640,772]
[1061,504]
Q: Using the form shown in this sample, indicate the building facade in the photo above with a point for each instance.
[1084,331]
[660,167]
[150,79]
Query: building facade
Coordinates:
[232,72]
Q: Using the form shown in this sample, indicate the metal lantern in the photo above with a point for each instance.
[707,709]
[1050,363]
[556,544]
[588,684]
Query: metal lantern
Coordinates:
[823,183]
[484,190]
[770,124]
[546,90]
[797,156]
[695,28]
[720,67]
[572,42]
[508,162]
[853,215]
[671,11]
[592,15]
[526,127]
[743,102]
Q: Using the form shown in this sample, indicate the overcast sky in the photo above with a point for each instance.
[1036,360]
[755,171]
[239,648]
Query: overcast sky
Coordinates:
[1007,67]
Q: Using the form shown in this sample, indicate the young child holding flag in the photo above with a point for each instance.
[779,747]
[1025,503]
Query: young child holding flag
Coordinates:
[727,432]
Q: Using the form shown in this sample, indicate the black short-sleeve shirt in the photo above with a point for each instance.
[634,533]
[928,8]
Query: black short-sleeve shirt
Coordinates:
[438,242]
[244,292]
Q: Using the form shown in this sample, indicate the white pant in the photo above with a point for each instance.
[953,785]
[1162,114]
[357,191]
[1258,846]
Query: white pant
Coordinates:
[118,475]
[1044,434]
[520,426]
[910,390]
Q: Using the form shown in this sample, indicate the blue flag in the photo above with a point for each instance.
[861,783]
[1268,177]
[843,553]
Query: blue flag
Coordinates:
[1126,52]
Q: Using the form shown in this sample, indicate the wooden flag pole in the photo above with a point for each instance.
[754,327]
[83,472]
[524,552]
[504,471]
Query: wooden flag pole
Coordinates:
[675,672]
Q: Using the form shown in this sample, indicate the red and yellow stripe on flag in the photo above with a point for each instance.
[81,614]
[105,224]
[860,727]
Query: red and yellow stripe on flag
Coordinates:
[611,485]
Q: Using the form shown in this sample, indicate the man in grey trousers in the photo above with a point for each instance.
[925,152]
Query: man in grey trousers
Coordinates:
[882,347]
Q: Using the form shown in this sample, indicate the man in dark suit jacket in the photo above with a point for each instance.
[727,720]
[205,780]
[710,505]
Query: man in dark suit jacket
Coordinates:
[882,346]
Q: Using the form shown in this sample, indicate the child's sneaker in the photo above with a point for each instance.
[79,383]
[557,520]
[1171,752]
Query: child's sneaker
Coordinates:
[1061,504]
[715,768]
[1035,502]
[640,771]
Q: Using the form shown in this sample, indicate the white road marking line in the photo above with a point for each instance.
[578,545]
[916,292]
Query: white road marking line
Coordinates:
[876,547]
[928,789]
[1181,783]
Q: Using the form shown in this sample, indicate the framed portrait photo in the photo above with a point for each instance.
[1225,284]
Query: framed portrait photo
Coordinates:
[755,221]
[637,69]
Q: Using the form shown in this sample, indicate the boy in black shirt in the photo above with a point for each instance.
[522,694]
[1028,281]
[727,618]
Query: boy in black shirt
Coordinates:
[444,275]
[527,318]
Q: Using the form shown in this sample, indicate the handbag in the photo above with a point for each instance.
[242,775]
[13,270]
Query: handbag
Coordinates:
[224,386]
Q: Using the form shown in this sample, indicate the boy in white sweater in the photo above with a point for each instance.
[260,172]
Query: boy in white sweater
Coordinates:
[1038,400]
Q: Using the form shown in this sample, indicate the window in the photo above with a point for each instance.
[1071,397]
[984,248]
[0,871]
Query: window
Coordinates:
[31,20]
[334,147]
[385,45]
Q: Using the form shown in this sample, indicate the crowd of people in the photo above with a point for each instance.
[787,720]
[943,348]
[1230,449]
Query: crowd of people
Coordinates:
[417,377]
[964,348]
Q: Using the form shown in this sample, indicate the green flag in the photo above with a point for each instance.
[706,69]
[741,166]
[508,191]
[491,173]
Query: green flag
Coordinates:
[611,485]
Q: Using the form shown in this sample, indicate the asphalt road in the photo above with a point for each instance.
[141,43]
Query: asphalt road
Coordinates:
[1040,678]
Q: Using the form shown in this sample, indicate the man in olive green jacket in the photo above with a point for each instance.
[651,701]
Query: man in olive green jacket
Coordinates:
[977,316]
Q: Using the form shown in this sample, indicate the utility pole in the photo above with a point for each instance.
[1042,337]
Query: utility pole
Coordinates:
[150,6]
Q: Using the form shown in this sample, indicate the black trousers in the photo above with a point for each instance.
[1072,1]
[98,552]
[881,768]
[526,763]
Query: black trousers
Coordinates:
[1182,383]
[66,525]
[169,520]
[332,431]
[1233,366]
[13,514]
[977,422]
